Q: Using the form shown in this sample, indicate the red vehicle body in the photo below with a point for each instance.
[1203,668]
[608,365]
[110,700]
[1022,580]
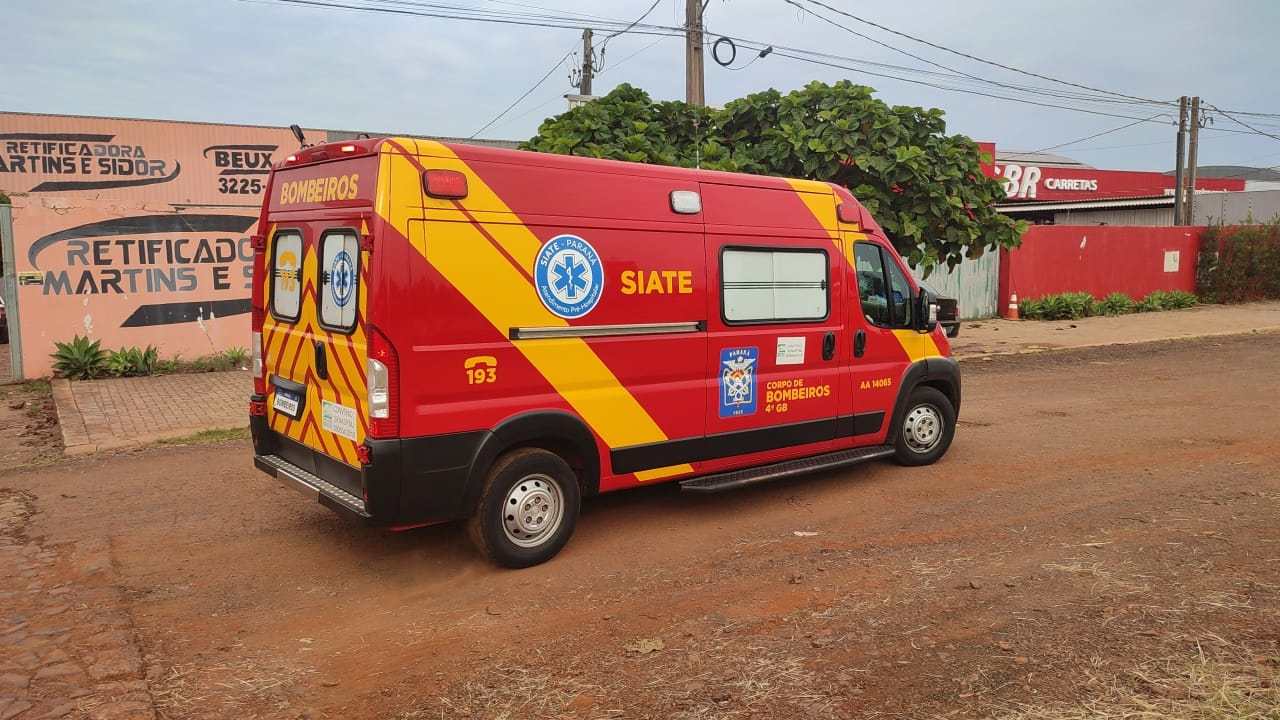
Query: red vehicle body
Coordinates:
[448,332]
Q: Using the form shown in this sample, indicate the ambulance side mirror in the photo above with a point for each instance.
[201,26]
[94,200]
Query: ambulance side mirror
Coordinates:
[926,312]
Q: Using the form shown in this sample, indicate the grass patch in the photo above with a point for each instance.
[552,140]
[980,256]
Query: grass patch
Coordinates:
[209,436]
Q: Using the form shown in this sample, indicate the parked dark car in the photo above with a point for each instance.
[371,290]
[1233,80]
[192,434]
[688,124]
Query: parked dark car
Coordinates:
[948,309]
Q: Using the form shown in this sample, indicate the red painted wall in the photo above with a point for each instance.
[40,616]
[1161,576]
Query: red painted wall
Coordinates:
[1099,260]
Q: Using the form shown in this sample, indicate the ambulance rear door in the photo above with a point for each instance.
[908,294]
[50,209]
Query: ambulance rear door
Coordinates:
[313,336]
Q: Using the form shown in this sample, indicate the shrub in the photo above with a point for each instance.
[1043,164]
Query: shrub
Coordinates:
[1079,305]
[79,359]
[83,360]
[1116,303]
[171,366]
[1063,306]
[1076,305]
[1031,309]
[1240,264]
[1150,303]
[1181,300]
[132,362]
[1056,307]
[1167,300]
[237,356]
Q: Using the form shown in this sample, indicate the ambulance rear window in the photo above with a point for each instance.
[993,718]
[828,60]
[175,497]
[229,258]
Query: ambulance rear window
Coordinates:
[286,264]
[339,279]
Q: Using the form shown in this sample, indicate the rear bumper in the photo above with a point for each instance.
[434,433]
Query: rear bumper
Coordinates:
[312,486]
[411,481]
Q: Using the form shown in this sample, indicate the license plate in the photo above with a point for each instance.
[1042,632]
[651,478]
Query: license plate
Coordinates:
[287,402]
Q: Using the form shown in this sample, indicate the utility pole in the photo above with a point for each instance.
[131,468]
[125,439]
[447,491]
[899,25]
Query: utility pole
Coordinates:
[588,65]
[693,69]
[1190,216]
[1177,173]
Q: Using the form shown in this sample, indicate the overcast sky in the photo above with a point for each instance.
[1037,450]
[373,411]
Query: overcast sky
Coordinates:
[275,62]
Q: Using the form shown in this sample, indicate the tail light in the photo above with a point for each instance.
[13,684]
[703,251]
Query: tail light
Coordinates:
[255,342]
[384,387]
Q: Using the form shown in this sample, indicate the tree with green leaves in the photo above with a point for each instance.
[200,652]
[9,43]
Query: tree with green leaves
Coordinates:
[924,187]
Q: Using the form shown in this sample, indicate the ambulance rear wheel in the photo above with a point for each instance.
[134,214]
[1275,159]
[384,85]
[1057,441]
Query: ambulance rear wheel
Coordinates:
[928,424]
[528,508]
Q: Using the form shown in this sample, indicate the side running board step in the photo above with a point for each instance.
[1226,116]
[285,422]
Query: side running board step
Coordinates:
[764,473]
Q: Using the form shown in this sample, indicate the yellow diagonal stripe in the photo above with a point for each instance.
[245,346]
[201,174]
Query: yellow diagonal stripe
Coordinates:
[507,299]
[821,202]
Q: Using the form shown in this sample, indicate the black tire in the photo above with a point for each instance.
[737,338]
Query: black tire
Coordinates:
[953,331]
[541,483]
[928,425]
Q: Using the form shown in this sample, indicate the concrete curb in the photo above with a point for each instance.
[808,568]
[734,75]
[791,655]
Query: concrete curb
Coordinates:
[961,355]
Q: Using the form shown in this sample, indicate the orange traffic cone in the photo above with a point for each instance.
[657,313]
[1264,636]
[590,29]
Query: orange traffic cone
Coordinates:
[1012,313]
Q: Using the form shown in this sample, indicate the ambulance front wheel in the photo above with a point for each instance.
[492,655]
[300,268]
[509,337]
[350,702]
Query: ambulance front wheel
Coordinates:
[928,424]
[528,508]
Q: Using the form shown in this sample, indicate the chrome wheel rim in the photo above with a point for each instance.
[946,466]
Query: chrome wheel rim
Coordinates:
[532,511]
[922,428]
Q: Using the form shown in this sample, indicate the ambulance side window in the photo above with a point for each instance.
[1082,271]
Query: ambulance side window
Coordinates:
[899,296]
[286,282]
[339,279]
[764,285]
[883,289]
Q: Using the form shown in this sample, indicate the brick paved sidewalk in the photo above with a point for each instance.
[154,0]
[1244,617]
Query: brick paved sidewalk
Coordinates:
[68,646]
[129,412]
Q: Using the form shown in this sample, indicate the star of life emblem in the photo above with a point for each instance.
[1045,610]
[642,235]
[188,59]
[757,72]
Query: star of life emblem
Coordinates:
[569,276]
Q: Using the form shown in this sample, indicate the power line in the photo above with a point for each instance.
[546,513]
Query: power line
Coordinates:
[949,77]
[561,20]
[604,46]
[785,53]
[642,17]
[981,60]
[454,12]
[646,47]
[522,97]
[1090,137]
[1238,121]
[856,65]
[927,61]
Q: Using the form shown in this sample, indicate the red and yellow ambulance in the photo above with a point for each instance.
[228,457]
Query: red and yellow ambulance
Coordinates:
[446,332]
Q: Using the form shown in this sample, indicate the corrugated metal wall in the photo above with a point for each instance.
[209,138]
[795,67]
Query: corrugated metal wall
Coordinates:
[975,283]
[1145,217]
[1229,208]
[1237,208]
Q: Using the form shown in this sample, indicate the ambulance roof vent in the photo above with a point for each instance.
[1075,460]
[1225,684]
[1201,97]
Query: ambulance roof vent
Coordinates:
[686,202]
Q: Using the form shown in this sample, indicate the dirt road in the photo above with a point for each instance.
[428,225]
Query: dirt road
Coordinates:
[1104,536]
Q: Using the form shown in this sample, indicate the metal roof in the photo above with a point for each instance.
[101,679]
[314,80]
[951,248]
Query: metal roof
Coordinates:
[1133,202]
[1042,159]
